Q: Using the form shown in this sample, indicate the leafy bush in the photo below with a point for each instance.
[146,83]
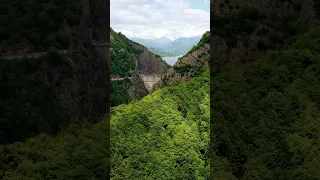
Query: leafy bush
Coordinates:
[183,69]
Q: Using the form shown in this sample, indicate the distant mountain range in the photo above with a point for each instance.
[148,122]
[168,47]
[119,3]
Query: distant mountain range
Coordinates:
[165,46]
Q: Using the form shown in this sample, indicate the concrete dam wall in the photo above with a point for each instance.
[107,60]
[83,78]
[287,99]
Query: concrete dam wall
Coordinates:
[149,80]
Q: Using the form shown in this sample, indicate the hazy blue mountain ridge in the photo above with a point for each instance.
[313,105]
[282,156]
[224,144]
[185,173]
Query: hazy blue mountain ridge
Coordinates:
[167,47]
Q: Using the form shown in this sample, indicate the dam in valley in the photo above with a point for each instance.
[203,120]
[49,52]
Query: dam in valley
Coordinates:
[150,79]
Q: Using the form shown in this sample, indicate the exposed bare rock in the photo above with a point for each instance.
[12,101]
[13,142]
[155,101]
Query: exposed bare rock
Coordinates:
[305,8]
[148,63]
[129,58]
[189,65]
[269,33]
[138,89]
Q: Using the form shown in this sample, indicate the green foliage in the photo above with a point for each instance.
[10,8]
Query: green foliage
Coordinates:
[231,25]
[34,21]
[121,57]
[239,25]
[119,92]
[204,40]
[28,103]
[183,69]
[76,153]
[163,136]
[266,118]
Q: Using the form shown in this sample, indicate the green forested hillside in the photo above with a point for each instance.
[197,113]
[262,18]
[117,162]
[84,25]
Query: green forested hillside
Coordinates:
[199,63]
[43,94]
[38,23]
[29,106]
[76,153]
[205,39]
[245,33]
[119,92]
[124,91]
[189,66]
[165,135]
[122,62]
[127,58]
[266,118]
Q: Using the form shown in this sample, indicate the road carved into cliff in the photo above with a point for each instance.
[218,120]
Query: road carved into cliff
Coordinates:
[33,55]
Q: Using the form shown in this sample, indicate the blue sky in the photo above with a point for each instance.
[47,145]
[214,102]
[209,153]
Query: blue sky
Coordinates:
[157,18]
[200,4]
[197,4]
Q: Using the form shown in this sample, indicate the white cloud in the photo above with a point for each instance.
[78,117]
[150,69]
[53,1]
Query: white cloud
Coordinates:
[156,18]
[159,1]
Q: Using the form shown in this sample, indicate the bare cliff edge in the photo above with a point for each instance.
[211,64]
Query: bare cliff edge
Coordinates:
[145,62]
[130,59]
[189,66]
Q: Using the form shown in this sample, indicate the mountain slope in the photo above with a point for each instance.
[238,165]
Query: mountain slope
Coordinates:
[181,45]
[167,137]
[153,43]
[129,58]
[264,79]
[43,94]
[165,46]
[76,153]
[190,65]
[266,115]
[246,30]
[163,136]
[127,90]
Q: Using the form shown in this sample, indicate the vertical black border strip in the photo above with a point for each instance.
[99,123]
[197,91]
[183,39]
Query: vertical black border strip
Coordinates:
[212,10]
[108,88]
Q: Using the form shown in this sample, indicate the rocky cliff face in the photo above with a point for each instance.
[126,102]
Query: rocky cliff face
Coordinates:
[304,8]
[74,86]
[149,63]
[188,66]
[125,51]
[245,30]
[138,89]
[129,59]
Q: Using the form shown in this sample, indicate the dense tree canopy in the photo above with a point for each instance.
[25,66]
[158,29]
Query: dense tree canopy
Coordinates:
[76,153]
[248,32]
[165,135]
[119,92]
[266,118]
[43,95]
[40,23]
[28,103]
[121,57]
